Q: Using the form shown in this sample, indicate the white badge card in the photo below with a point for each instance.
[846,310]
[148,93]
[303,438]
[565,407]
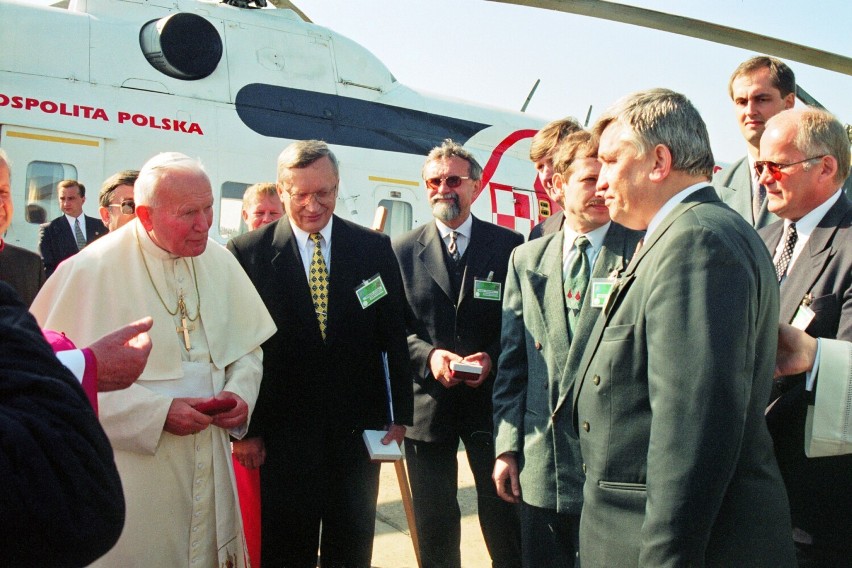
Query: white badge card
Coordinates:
[601,289]
[487,290]
[803,318]
[371,291]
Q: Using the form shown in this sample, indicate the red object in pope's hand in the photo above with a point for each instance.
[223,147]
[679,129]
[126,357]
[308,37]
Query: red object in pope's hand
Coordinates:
[216,406]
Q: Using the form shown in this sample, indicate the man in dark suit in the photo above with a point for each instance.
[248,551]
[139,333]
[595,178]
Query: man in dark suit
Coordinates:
[760,88]
[19,267]
[324,382]
[544,335]
[804,160]
[66,235]
[453,272]
[62,499]
[543,147]
[672,388]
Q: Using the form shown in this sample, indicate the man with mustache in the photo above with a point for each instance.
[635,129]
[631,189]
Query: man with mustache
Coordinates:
[453,272]
[553,298]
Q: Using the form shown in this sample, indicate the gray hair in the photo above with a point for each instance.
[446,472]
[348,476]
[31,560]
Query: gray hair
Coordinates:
[819,133]
[144,190]
[449,149]
[4,158]
[661,116]
[301,154]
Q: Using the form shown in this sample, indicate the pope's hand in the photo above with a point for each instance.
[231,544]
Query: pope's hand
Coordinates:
[233,418]
[183,419]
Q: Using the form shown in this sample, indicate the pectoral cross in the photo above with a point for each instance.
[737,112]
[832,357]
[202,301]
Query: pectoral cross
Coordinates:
[184,327]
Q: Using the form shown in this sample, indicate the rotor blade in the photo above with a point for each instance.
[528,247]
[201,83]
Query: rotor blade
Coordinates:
[286,4]
[695,28]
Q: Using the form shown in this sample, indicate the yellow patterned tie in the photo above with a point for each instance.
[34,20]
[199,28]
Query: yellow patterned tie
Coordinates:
[319,284]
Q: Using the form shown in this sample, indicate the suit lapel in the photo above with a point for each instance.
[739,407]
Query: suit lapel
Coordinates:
[610,260]
[812,260]
[546,283]
[432,257]
[287,264]
[344,270]
[702,195]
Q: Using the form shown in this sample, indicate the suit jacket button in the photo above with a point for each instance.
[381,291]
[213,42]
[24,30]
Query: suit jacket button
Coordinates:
[538,346]
[586,425]
[596,379]
[584,468]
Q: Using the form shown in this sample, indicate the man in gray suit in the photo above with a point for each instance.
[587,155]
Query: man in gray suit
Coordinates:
[760,88]
[544,334]
[671,392]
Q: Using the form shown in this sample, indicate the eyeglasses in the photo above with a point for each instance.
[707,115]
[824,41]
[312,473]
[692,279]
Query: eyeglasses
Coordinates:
[451,181]
[128,207]
[775,168]
[323,197]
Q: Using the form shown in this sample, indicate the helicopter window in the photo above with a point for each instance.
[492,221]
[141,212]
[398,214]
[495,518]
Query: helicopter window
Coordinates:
[399,218]
[42,177]
[231,221]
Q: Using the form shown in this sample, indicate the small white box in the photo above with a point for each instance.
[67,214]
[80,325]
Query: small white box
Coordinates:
[379,451]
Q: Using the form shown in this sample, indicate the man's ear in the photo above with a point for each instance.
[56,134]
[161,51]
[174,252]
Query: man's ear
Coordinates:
[662,165]
[104,213]
[557,189]
[143,213]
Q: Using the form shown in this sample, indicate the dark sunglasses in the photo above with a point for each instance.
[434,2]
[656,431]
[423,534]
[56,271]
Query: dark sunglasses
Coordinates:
[775,168]
[451,181]
[128,206]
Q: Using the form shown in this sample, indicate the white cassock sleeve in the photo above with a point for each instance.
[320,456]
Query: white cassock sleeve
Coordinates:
[242,377]
[828,429]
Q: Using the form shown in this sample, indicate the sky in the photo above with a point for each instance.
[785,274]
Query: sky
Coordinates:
[492,53]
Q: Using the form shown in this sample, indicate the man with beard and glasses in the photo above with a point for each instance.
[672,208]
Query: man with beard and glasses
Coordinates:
[453,272]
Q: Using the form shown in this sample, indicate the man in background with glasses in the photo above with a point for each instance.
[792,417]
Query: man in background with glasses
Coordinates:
[334,291]
[804,159]
[453,271]
[116,199]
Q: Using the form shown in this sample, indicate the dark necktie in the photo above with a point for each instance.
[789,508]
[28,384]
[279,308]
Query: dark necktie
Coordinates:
[757,200]
[786,254]
[319,284]
[453,247]
[78,235]
[577,281]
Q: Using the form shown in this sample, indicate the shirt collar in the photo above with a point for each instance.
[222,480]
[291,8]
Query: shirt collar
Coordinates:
[463,230]
[806,225]
[669,205]
[596,237]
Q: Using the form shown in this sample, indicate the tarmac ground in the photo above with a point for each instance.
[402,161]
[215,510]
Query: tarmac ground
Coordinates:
[392,547]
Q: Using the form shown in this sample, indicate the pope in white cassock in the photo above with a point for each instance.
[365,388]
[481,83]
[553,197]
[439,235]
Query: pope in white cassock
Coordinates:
[209,323]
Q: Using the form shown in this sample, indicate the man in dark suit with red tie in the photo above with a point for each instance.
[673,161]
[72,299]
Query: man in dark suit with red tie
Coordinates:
[804,159]
[67,234]
[323,378]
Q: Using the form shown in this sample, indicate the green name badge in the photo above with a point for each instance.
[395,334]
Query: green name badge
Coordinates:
[601,287]
[371,291]
[487,290]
